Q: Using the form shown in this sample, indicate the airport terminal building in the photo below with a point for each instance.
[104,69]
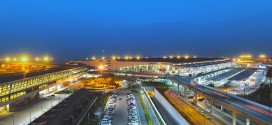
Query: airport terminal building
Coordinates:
[184,67]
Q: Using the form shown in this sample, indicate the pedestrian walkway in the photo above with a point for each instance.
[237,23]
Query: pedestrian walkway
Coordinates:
[30,112]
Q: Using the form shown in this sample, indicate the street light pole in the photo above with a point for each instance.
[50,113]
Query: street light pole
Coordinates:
[13,119]
[270,98]
[30,115]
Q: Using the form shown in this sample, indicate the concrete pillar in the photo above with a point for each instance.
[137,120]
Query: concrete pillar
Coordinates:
[195,98]
[247,121]
[211,102]
[184,92]
[233,118]
[8,107]
[221,108]
[178,87]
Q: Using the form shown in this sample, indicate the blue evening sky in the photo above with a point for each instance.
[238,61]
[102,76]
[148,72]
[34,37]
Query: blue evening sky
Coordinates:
[69,29]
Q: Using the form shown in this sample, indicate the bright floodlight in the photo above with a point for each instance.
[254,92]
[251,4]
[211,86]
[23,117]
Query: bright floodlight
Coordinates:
[7,59]
[113,57]
[37,59]
[186,57]
[101,67]
[262,56]
[138,57]
[46,58]
[24,59]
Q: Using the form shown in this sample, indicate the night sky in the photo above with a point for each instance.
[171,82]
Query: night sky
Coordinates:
[79,29]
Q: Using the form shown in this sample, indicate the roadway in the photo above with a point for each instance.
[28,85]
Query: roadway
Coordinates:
[256,110]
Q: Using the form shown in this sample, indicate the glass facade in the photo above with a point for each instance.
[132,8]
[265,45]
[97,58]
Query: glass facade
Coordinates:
[18,88]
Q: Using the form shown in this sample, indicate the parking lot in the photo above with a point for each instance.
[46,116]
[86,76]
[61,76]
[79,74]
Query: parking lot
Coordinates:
[121,113]
[121,110]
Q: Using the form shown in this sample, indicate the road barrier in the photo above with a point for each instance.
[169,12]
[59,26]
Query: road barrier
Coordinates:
[172,111]
[161,120]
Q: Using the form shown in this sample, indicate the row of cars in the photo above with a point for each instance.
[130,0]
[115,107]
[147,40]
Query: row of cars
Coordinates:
[50,96]
[202,112]
[109,113]
[190,101]
[132,110]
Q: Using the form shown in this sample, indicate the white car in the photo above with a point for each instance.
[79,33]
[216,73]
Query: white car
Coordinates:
[133,108]
[133,112]
[106,122]
[132,123]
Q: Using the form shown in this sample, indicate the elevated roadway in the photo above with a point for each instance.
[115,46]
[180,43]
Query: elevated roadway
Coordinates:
[258,113]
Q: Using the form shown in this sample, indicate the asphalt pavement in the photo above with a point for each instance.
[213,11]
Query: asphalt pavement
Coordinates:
[121,111]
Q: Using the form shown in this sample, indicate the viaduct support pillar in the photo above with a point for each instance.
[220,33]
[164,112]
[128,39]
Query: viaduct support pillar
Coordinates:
[233,118]
[247,121]
[184,92]
[221,108]
[211,104]
[195,98]
[178,88]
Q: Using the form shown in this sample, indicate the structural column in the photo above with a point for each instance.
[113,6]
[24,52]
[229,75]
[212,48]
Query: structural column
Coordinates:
[221,108]
[173,86]
[247,121]
[184,91]
[178,88]
[211,104]
[233,118]
[195,98]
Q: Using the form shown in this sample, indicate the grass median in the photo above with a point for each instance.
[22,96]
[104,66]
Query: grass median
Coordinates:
[149,121]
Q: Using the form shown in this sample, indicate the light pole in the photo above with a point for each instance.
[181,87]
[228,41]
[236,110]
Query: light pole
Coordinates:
[51,103]
[13,119]
[30,115]
[270,75]
[101,68]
